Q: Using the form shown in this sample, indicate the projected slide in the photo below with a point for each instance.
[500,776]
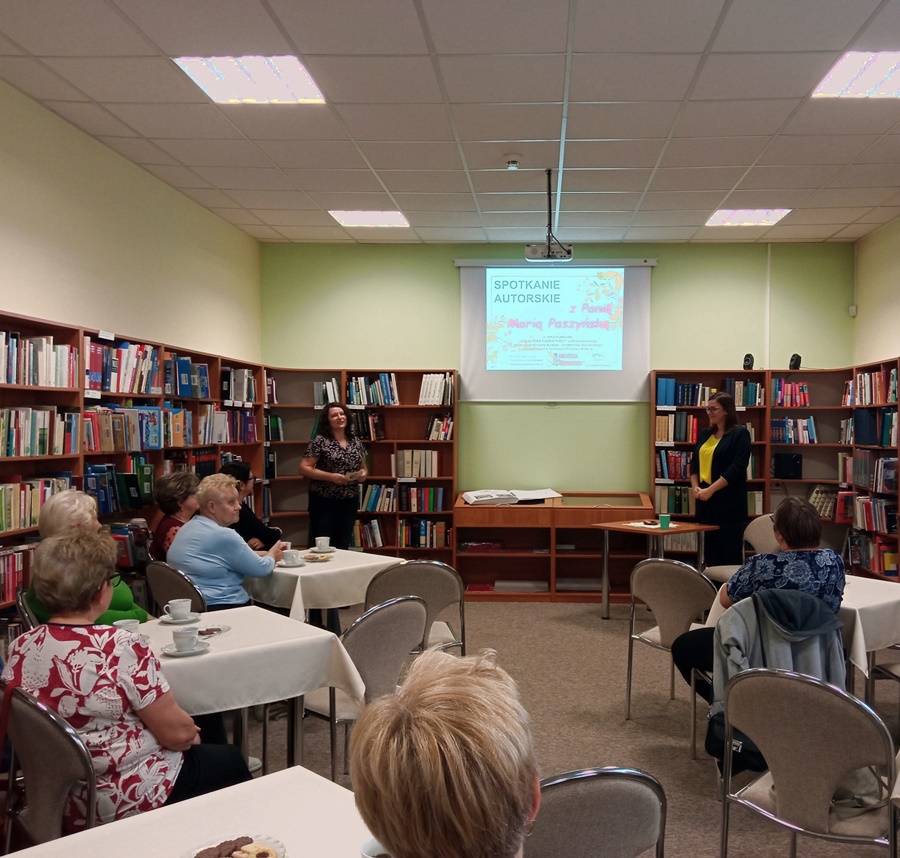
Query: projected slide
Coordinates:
[554,319]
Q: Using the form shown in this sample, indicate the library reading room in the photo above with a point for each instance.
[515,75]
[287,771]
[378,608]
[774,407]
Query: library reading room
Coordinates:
[424,422]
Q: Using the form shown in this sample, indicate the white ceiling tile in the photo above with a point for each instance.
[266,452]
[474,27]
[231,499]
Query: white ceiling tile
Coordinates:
[210,197]
[598,154]
[801,25]
[605,180]
[806,216]
[807,232]
[443,219]
[284,121]
[258,199]
[351,27]
[645,25]
[375,80]
[534,234]
[883,151]
[883,31]
[611,202]
[660,233]
[696,178]
[510,181]
[569,220]
[774,198]
[8,48]
[734,118]
[140,79]
[397,121]
[754,76]
[447,233]
[853,231]
[730,233]
[493,220]
[200,121]
[37,80]
[239,217]
[677,200]
[335,180]
[177,176]
[309,154]
[263,233]
[290,217]
[815,148]
[91,118]
[60,28]
[508,121]
[667,218]
[383,235]
[513,26]
[330,234]
[624,119]
[180,29]
[423,155]
[796,176]
[882,214]
[367,202]
[504,78]
[625,77]
[867,176]
[844,197]
[425,181]
[215,153]
[245,178]
[512,202]
[713,151]
[435,202]
[838,115]
[138,150]
[490,156]
[592,234]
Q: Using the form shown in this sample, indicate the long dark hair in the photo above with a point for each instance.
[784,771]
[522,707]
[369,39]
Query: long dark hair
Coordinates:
[727,402]
[325,424]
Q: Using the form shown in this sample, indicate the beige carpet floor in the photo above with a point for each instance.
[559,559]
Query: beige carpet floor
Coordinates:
[570,666]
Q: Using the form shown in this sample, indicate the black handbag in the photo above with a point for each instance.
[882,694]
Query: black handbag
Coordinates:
[744,756]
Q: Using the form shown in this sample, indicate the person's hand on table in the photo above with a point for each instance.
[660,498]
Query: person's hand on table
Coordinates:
[276,551]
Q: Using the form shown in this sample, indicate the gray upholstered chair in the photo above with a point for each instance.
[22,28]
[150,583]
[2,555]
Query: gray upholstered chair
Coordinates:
[26,615]
[617,813]
[678,595]
[760,534]
[379,643]
[167,583]
[813,736]
[53,758]
[438,584]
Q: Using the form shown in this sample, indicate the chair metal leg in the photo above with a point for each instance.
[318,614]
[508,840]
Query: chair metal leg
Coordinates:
[628,679]
[693,714]
[793,852]
[265,739]
[332,725]
[347,748]
[295,732]
[671,679]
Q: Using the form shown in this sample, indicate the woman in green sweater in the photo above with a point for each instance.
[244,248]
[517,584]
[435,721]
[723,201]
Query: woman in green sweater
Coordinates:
[72,510]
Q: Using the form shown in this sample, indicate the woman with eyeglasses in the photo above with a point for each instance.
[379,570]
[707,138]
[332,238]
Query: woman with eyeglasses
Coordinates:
[249,526]
[69,512]
[107,684]
[719,481]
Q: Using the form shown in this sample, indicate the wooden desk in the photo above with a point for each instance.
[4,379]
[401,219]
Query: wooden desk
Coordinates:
[656,538]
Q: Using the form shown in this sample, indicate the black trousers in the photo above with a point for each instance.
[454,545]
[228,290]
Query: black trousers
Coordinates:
[695,649]
[207,768]
[334,518]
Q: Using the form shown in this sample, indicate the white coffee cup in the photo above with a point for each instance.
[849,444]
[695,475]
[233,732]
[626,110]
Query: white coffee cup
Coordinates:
[291,557]
[178,609]
[128,625]
[322,543]
[285,546]
[185,639]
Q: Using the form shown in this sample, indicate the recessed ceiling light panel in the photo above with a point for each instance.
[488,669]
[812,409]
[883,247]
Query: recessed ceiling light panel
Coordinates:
[252,80]
[746,217]
[374,219]
[862,74]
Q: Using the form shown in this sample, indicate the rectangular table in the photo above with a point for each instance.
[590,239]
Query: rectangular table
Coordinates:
[655,538]
[265,657]
[341,580]
[310,815]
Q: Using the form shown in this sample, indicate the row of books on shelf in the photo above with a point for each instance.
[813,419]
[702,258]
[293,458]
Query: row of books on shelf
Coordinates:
[793,430]
[21,499]
[440,428]
[677,426]
[380,389]
[871,388]
[367,534]
[436,389]
[15,563]
[743,392]
[273,427]
[367,425]
[426,499]
[37,361]
[823,499]
[868,470]
[203,461]
[875,513]
[671,392]
[790,394]
[237,385]
[875,427]
[673,465]
[415,463]
[122,368]
[677,500]
[231,426]
[874,553]
[41,430]
[112,429]
[422,533]
[118,490]
[378,497]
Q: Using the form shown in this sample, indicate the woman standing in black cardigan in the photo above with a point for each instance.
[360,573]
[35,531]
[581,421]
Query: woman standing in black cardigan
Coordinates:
[719,481]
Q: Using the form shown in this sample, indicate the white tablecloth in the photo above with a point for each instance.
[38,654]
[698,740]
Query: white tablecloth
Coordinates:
[311,816]
[263,658]
[340,581]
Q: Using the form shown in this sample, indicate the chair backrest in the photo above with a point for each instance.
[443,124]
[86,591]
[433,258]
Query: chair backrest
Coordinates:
[380,641]
[676,593]
[617,813]
[812,735]
[760,533]
[437,583]
[53,759]
[26,615]
[167,583]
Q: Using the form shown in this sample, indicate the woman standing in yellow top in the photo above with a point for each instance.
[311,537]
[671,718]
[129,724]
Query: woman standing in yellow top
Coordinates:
[719,481]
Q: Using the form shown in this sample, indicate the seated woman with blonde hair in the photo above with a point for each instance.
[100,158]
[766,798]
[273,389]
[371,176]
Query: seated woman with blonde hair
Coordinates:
[445,768]
[72,511]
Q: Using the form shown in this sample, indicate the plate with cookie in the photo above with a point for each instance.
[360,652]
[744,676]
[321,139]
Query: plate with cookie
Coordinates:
[245,846]
[317,558]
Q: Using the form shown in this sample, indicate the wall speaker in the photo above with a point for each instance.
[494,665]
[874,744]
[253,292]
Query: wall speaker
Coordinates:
[795,361]
[787,466]
[748,361]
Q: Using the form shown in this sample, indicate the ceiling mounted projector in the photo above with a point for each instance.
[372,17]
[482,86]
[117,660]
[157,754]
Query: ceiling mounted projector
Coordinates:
[554,250]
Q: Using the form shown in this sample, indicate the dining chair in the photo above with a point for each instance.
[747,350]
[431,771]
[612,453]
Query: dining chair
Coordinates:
[438,584]
[813,736]
[53,758]
[167,583]
[760,534]
[26,615]
[678,595]
[378,643]
[614,812]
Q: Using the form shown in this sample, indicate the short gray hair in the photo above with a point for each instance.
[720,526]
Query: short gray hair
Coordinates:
[67,510]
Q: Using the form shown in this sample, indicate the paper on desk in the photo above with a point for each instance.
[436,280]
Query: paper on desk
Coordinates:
[652,525]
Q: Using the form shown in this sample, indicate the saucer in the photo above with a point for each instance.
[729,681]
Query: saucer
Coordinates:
[169,649]
[285,565]
[330,550]
[190,618]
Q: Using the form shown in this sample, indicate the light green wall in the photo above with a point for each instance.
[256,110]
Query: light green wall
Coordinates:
[878,295]
[90,239]
[385,306]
